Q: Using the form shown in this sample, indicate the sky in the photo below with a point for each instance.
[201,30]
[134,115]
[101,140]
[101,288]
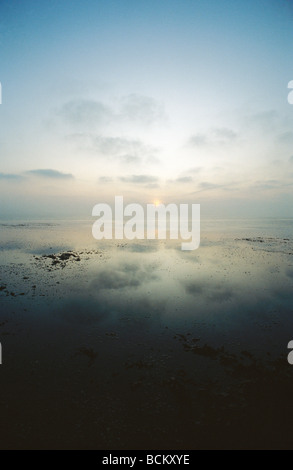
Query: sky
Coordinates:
[169,100]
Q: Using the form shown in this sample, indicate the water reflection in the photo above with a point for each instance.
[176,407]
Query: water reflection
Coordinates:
[144,329]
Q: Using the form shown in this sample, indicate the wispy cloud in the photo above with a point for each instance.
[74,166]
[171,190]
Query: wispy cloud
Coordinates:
[217,136]
[207,186]
[86,113]
[130,159]
[286,137]
[130,151]
[184,180]
[142,109]
[139,179]
[267,185]
[194,170]
[198,140]
[10,177]
[125,276]
[267,121]
[116,130]
[118,146]
[212,292]
[225,134]
[105,179]
[50,174]
[138,109]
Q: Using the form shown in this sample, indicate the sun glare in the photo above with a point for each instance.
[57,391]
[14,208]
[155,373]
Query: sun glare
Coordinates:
[157,202]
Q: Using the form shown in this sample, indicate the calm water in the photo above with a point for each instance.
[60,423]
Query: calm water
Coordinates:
[140,345]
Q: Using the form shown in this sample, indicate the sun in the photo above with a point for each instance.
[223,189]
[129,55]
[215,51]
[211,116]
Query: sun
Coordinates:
[157,202]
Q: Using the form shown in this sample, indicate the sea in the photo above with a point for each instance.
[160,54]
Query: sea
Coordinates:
[118,344]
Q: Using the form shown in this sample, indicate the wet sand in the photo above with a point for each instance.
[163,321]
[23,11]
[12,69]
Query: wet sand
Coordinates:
[138,345]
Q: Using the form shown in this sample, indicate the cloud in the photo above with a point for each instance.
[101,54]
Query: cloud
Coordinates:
[266,120]
[138,248]
[286,137]
[126,275]
[105,179]
[139,179]
[50,174]
[206,186]
[10,177]
[194,170]
[184,179]
[138,109]
[114,146]
[212,292]
[142,109]
[194,289]
[217,136]
[130,159]
[127,150]
[266,185]
[94,124]
[198,140]
[152,186]
[225,134]
[85,112]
